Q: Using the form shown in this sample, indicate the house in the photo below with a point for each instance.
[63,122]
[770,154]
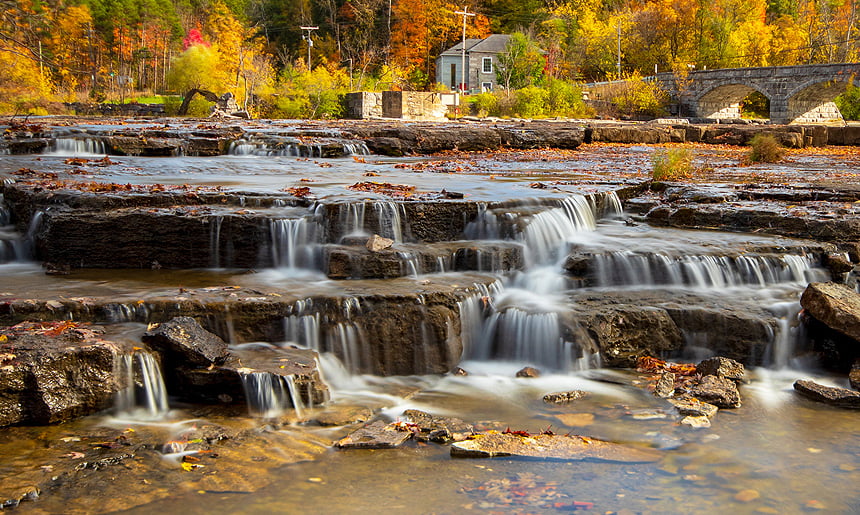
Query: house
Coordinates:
[482,59]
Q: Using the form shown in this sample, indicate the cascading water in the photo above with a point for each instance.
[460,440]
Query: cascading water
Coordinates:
[293,243]
[145,394]
[390,222]
[65,146]
[626,268]
[270,395]
[12,246]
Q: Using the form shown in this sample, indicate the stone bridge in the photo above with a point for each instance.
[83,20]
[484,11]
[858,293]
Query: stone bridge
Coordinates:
[797,94]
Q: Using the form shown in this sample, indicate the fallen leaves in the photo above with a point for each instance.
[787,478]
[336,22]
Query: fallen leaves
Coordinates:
[651,365]
[384,188]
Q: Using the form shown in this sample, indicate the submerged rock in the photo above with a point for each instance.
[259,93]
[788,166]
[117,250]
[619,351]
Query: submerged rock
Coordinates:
[834,396]
[696,422]
[377,435]
[554,447]
[854,375]
[721,367]
[694,407]
[564,397]
[436,428]
[184,341]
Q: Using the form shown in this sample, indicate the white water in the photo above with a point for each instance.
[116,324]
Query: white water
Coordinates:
[145,396]
[271,395]
[80,147]
[293,243]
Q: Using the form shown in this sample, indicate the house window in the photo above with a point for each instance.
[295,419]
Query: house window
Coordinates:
[453,76]
[486,86]
[487,65]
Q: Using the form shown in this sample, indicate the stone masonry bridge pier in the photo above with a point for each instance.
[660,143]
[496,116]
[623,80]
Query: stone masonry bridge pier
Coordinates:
[797,94]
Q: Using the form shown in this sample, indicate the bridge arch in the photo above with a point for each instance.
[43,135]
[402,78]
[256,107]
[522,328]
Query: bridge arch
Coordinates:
[812,101]
[724,100]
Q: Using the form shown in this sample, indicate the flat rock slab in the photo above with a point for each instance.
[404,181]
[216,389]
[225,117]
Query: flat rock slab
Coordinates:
[377,435]
[835,305]
[564,397]
[841,397]
[553,447]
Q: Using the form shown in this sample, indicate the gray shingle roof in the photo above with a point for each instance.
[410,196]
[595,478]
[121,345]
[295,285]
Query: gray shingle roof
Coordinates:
[493,43]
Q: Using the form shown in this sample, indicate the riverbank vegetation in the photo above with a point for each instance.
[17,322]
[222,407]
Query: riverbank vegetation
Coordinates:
[112,51]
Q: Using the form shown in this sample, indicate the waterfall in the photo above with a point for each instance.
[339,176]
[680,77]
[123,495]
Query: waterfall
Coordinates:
[270,395]
[215,240]
[409,264]
[145,392]
[12,246]
[77,147]
[32,231]
[627,268]
[351,219]
[390,223]
[547,231]
[293,242]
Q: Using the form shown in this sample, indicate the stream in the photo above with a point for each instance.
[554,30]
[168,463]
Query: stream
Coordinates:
[578,256]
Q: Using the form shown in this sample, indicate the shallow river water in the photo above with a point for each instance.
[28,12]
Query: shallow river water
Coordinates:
[778,453]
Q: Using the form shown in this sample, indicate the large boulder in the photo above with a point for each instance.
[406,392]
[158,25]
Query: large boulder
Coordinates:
[184,342]
[53,372]
[835,305]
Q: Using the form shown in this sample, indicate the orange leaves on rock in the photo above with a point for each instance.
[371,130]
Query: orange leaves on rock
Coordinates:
[29,172]
[651,365]
[299,192]
[52,329]
[384,188]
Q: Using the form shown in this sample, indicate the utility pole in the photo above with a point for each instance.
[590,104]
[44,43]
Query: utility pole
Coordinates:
[310,41]
[619,49]
[465,12]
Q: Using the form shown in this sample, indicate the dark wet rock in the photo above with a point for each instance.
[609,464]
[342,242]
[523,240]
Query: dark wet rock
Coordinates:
[816,224]
[552,447]
[665,385]
[625,333]
[184,341]
[377,243]
[854,375]
[436,428]
[692,407]
[54,372]
[719,391]
[377,435]
[528,372]
[835,305]
[459,372]
[834,396]
[564,397]
[403,259]
[722,367]
[838,265]
[741,333]
[341,415]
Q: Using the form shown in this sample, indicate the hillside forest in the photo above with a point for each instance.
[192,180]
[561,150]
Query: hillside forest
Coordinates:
[54,51]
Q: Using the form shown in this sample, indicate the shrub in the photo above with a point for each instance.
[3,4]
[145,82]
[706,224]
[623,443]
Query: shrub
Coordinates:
[672,164]
[849,103]
[638,97]
[564,99]
[530,102]
[765,149]
[485,104]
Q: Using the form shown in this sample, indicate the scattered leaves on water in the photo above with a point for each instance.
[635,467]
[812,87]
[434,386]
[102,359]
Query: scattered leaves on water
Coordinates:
[523,489]
[299,192]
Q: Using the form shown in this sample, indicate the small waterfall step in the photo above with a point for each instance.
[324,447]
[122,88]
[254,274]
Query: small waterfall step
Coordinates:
[412,259]
[269,380]
[636,268]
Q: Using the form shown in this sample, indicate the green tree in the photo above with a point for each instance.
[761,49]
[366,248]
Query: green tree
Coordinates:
[521,64]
